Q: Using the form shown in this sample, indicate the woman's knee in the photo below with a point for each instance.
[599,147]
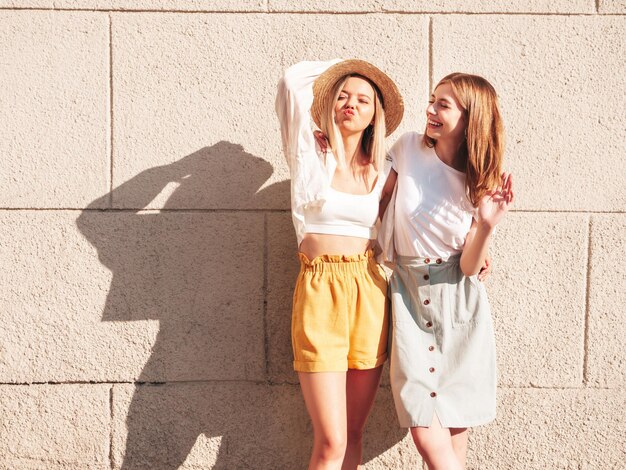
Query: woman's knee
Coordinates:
[330,446]
[430,443]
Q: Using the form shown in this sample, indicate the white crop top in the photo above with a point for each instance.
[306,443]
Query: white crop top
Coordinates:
[352,215]
[315,206]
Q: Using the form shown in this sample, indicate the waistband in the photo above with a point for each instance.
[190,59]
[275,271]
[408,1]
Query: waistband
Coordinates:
[426,261]
[336,263]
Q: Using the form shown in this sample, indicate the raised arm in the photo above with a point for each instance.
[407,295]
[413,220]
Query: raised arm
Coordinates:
[293,103]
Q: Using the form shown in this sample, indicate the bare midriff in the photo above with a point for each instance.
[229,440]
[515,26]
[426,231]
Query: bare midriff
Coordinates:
[316,244]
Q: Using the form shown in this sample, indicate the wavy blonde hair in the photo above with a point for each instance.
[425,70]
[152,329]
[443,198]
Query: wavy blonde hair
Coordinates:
[483,148]
[373,139]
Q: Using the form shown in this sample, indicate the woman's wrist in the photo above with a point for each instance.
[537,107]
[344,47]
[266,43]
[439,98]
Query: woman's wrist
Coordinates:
[485,227]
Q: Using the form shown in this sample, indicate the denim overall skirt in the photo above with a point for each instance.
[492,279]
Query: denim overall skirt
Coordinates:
[442,345]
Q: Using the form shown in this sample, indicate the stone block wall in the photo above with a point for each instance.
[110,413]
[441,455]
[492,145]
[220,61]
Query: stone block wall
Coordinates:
[148,255]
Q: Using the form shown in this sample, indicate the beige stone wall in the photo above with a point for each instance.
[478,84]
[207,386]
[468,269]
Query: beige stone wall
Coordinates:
[147,251]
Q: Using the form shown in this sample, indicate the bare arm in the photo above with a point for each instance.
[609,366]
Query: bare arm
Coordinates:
[293,103]
[387,192]
[485,271]
[476,249]
[491,209]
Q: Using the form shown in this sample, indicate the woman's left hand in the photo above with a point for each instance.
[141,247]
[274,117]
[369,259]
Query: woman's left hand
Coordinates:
[495,204]
[322,140]
[485,271]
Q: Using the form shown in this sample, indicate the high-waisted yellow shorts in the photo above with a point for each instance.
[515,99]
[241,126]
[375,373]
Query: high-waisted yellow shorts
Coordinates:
[340,314]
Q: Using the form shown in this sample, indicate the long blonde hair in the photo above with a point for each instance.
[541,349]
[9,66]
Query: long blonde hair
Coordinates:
[373,139]
[483,148]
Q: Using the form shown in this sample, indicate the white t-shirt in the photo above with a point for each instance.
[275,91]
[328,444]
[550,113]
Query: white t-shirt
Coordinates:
[432,211]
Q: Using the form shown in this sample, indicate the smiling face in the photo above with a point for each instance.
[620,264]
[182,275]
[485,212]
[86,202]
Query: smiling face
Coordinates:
[464,107]
[355,106]
[446,118]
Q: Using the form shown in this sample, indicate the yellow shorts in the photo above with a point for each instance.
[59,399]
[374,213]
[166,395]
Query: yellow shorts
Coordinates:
[340,314]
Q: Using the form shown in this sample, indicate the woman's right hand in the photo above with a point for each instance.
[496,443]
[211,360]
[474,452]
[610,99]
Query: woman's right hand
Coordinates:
[321,140]
[495,204]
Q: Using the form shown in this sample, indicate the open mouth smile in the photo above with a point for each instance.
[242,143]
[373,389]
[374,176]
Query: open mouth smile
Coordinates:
[434,123]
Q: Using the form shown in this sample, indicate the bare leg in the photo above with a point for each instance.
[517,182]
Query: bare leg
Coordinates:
[435,446]
[325,398]
[459,443]
[361,388]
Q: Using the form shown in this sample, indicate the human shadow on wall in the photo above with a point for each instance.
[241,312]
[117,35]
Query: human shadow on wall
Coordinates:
[200,273]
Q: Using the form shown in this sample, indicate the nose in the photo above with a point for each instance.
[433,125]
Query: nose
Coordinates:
[351,103]
[430,109]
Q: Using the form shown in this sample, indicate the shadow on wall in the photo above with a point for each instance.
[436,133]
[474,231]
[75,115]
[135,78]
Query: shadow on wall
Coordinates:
[200,273]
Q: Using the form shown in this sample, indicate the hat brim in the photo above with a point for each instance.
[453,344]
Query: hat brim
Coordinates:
[393,104]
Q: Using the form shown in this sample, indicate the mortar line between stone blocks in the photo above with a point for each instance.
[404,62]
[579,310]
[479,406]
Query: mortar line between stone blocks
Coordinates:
[131,10]
[399,12]
[266,348]
[112,425]
[270,211]
[489,13]
[110,111]
[269,383]
[138,210]
[325,12]
[430,55]
[134,383]
[587,306]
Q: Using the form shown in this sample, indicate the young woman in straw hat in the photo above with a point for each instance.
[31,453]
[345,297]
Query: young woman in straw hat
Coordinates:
[340,313]
[450,193]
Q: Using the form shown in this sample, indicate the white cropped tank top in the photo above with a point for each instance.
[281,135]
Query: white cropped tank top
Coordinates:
[352,215]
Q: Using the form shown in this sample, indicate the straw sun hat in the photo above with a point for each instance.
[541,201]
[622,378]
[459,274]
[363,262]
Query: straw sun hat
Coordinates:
[391,97]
